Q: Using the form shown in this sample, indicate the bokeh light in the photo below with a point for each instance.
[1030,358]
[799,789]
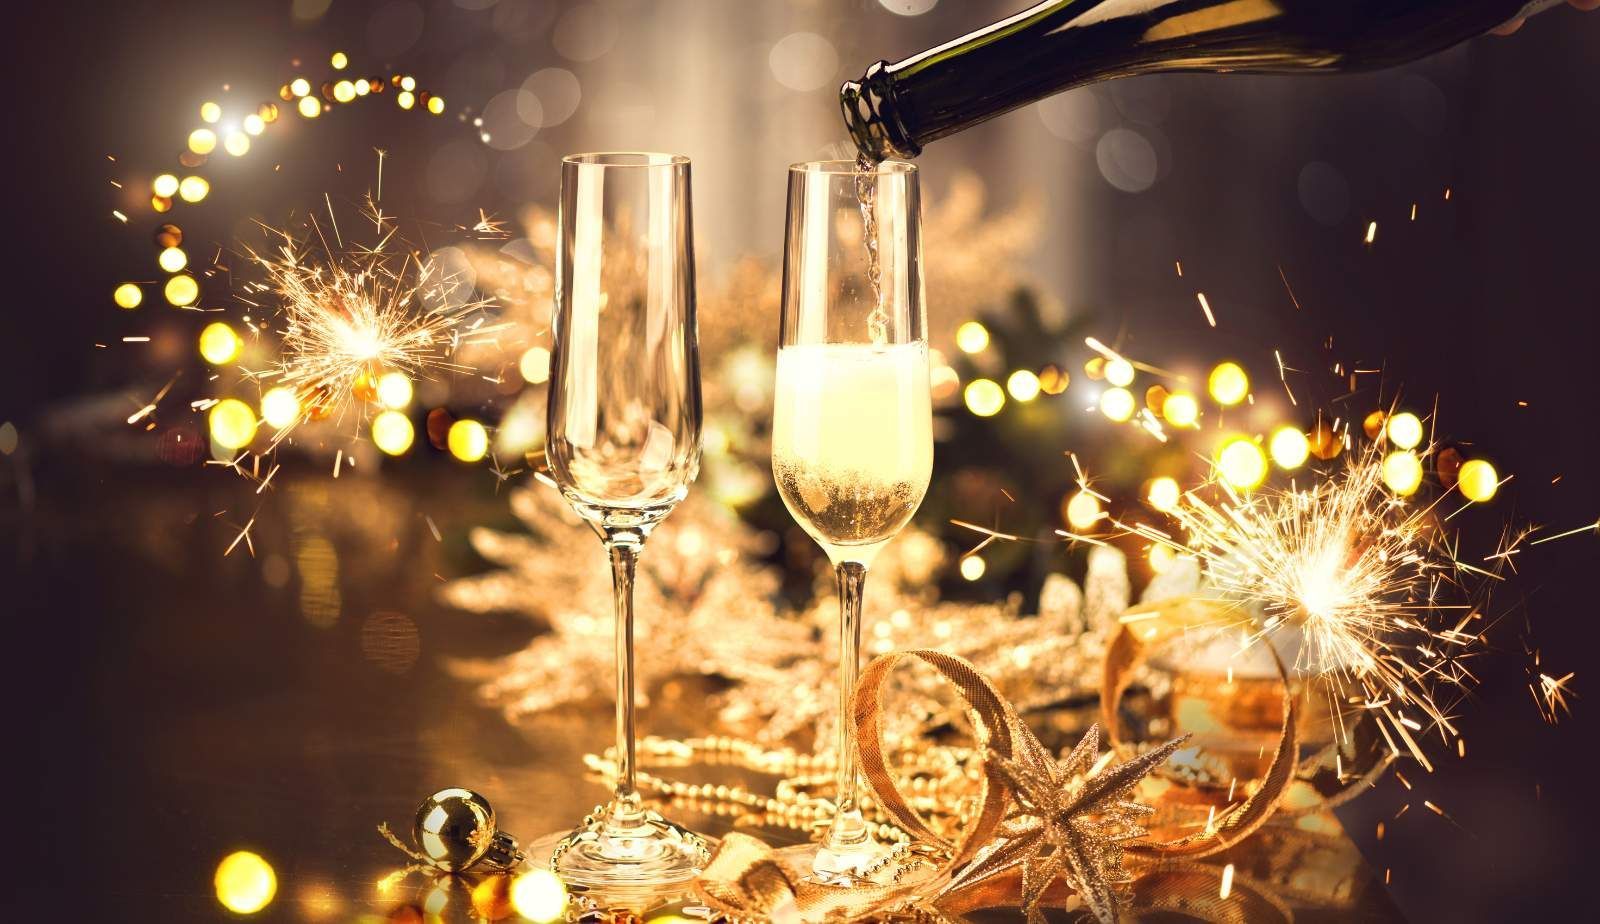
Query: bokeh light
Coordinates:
[1083,510]
[539,895]
[1325,444]
[237,143]
[394,390]
[309,106]
[219,344]
[1404,430]
[1181,409]
[1228,384]
[210,112]
[128,296]
[1053,380]
[984,397]
[232,423]
[193,188]
[300,86]
[405,99]
[972,337]
[1023,385]
[182,290]
[1161,557]
[344,91]
[245,882]
[535,365]
[468,440]
[202,141]
[392,432]
[1118,404]
[1163,493]
[280,408]
[1402,472]
[1241,463]
[253,124]
[1478,480]
[1119,372]
[165,185]
[973,567]
[1289,447]
[339,60]
[172,259]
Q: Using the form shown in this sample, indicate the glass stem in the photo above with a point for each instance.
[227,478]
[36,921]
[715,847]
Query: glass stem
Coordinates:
[849,829]
[624,548]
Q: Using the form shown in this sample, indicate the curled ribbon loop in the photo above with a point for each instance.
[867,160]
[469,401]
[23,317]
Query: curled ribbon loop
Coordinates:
[1143,629]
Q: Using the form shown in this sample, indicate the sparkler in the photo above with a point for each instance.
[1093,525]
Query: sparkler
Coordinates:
[1362,574]
[351,313]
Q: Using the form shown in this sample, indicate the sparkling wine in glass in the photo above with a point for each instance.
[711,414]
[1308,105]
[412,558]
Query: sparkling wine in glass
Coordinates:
[624,443]
[852,440]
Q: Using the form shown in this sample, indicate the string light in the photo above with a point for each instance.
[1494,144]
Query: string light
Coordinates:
[1228,384]
[984,397]
[1083,510]
[1023,385]
[1119,372]
[539,895]
[394,390]
[1289,447]
[973,567]
[467,440]
[1241,463]
[1118,404]
[232,423]
[972,337]
[128,296]
[219,344]
[1404,430]
[165,185]
[182,290]
[1164,493]
[280,408]
[172,259]
[1478,480]
[1402,472]
[392,432]
[535,365]
[193,188]
[245,883]
[1181,409]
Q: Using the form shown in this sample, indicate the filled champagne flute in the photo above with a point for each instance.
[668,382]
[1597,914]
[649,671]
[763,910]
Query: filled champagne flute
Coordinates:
[852,431]
[624,442]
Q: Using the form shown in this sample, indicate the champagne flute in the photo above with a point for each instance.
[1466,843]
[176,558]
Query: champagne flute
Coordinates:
[624,442]
[852,431]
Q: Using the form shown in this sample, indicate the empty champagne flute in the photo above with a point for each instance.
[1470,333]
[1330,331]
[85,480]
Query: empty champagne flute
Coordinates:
[852,431]
[624,442]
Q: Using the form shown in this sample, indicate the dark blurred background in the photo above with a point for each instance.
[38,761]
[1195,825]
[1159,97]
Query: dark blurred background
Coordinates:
[118,605]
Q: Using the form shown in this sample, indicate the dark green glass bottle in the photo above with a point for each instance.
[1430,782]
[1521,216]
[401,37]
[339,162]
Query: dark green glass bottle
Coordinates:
[895,109]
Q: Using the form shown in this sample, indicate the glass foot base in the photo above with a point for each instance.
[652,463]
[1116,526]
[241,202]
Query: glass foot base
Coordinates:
[647,853]
[851,866]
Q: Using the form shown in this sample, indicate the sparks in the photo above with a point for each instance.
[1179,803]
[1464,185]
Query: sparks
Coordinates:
[348,315]
[1364,576]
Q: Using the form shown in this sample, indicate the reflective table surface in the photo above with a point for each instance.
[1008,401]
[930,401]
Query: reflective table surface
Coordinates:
[185,704]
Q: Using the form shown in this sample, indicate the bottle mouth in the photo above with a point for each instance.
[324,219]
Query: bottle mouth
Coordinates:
[889,167]
[876,137]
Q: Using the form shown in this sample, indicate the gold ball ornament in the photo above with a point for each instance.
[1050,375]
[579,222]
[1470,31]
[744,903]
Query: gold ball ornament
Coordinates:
[455,829]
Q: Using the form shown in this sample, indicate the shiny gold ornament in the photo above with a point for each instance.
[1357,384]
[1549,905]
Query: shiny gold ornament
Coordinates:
[455,829]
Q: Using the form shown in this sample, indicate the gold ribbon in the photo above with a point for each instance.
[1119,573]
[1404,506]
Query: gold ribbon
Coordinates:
[747,880]
[1141,630]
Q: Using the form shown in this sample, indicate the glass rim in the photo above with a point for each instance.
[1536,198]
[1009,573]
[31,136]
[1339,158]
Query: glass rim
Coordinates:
[626,159]
[889,167]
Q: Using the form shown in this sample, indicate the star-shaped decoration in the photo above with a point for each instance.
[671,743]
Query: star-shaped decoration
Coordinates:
[1070,819]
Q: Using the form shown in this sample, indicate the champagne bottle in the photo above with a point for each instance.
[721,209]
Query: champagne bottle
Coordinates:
[895,109]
